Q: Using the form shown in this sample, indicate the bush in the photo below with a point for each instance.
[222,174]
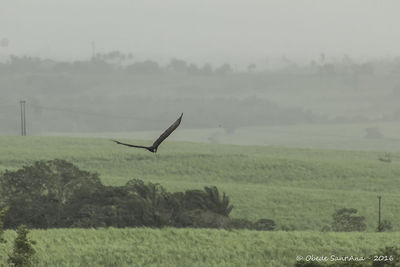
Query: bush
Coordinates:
[345,220]
[23,251]
[384,226]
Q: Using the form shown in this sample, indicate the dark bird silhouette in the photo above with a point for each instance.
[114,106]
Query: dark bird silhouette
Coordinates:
[153,148]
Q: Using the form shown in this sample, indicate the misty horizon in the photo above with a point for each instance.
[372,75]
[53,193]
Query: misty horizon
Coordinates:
[237,32]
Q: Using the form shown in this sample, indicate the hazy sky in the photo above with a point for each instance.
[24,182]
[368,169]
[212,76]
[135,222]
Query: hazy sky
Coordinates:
[202,30]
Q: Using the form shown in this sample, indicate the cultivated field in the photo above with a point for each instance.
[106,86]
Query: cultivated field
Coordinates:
[298,188]
[193,247]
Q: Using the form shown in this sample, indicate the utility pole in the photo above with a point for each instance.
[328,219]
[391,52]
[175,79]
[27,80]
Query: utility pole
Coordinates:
[23,121]
[379,214]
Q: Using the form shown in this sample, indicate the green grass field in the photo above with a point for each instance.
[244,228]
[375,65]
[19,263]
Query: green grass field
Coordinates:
[193,247]
[336,136]
[298,188]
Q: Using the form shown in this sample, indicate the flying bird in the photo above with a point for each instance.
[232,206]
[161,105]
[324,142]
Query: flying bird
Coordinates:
[153,148]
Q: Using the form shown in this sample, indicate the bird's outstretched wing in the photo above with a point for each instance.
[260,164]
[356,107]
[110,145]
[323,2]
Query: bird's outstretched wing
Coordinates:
[167,132]
[120,143]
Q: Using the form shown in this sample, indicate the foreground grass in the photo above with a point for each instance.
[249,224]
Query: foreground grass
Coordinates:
[298,188]
[193,247]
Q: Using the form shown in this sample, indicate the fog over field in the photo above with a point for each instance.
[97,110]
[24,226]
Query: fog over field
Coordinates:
[288,146]
[123,68]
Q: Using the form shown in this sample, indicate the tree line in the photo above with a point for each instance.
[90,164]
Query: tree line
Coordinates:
[57,194]
[116,61]
[112,62]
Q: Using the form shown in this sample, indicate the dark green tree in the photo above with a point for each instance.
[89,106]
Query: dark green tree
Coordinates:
[23,251]
[205,209]
[153,202]
[39,194]
[209,199]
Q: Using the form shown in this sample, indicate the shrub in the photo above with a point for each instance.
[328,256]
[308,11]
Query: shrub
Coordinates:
[345,220]
[23,251]
[385,225]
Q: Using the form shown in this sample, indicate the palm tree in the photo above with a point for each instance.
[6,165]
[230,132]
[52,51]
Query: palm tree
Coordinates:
[217,204]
